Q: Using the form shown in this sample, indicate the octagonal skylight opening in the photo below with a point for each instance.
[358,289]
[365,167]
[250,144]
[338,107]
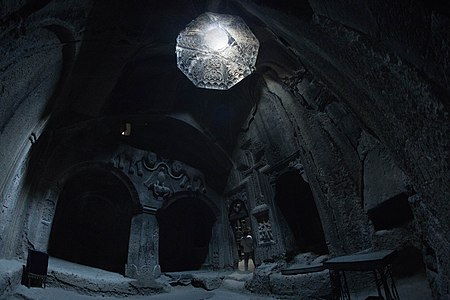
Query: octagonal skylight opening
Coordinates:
[216,51]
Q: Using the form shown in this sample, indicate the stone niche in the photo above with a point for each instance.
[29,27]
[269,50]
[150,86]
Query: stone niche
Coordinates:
[386,187]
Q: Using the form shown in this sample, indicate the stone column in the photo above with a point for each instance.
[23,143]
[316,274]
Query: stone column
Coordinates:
[143,249]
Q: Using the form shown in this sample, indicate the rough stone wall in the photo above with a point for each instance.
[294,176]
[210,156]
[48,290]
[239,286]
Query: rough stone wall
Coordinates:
[401,101]
[299,122]
[281,133]
[414,29]
[414,128]
[378,169]
[34,62]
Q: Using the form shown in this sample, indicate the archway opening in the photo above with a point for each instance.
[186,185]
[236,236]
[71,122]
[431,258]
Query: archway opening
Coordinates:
[185,231]
[295,200]
[92,221]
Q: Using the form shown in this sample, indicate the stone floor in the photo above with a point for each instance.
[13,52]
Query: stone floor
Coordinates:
[181,293]
[411,288]
[71,281]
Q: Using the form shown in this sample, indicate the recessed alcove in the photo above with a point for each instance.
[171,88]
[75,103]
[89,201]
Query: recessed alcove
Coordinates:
[185,231]
[240,223]
[296,203]
[392,213]
[92,221]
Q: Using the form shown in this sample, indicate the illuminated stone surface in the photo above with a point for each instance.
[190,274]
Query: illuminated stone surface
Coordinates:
[216,51]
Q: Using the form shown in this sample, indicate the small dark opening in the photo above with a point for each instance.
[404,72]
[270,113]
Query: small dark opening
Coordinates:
[296,202]
[92,222]
[392,213]
[185,229]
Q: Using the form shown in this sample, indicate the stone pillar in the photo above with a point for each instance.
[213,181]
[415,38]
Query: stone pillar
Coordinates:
[143,249]
[43,229]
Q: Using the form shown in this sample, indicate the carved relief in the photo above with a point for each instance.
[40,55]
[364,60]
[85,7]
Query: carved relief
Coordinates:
[32,138]
[297,166]
[239,195]
[260,200]
[197,185]
[265,234]
[177,168]
[265,231]
[150,159]
[165,177]
[128,160]
[158,185]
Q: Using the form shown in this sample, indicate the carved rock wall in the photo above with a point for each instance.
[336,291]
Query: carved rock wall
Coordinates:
[34,61]
[315,133]
[413,30]
[152,182]
[160,177]
[390,73]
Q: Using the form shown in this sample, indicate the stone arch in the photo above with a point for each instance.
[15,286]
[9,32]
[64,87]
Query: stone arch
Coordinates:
[186,229]
[188,194]
[27,82]
[296,203]
[91,225]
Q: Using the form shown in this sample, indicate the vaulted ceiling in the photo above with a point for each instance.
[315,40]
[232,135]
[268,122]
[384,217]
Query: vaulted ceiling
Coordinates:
[126,72]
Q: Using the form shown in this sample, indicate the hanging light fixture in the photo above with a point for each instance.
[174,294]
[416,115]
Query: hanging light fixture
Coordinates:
[216,51]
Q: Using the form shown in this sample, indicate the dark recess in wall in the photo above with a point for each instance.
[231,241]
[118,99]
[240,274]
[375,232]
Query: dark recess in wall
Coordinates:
[185,231]
[391,213]
[296,202]
[92,222]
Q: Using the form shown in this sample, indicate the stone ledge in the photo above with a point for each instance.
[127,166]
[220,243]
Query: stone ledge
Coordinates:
[10,276]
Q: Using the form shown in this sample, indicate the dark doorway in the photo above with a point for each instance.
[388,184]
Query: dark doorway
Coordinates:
[296,202]
[185,230]
[92,221]
[240,223]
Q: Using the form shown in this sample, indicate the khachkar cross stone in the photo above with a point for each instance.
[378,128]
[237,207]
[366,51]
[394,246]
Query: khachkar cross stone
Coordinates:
[265,234]
[265,231]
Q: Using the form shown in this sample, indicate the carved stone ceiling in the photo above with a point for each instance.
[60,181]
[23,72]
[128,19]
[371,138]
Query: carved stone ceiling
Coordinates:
[127,66]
